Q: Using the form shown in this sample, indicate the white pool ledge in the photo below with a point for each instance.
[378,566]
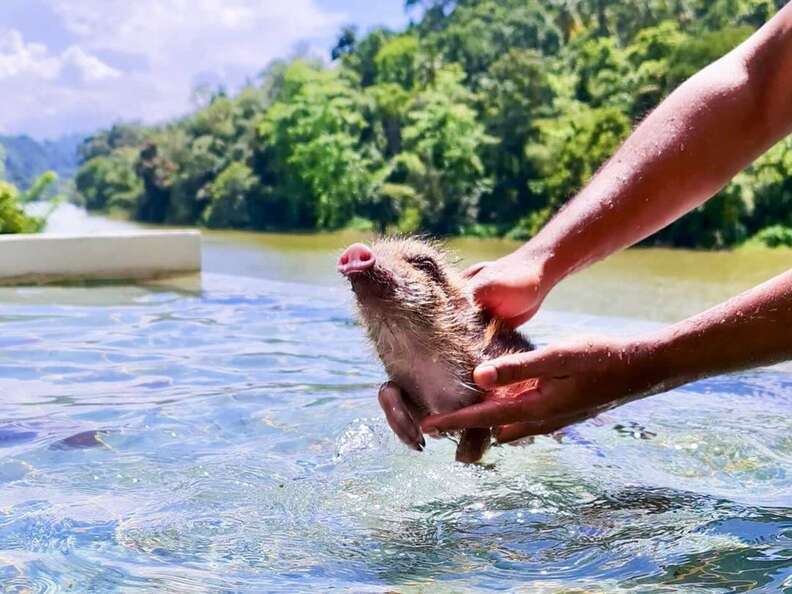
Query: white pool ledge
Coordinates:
[99,256]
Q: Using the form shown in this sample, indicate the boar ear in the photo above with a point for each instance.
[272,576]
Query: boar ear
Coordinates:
[485,317]
[491,332]
[500,340]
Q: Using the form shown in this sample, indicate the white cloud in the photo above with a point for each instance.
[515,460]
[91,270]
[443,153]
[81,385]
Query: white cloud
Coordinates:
[21,62]
[89,68]
[184,36]
[48,93]
[18,58]
[174,44]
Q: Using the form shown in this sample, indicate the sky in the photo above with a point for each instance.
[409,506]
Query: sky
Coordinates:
[73,66]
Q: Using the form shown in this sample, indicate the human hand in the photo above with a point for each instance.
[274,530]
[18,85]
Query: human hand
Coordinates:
[510,288]
[576,380]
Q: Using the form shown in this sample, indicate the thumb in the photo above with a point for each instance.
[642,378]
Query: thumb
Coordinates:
[518,367]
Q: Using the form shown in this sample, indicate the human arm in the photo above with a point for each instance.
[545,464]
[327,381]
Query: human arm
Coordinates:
[582,378]
[696,140]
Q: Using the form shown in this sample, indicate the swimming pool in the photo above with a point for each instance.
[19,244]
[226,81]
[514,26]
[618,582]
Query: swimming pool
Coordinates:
[228,439]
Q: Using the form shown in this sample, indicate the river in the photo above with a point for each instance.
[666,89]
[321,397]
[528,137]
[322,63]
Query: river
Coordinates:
[223,435]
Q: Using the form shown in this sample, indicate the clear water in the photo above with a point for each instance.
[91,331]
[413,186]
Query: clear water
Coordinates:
[226,438]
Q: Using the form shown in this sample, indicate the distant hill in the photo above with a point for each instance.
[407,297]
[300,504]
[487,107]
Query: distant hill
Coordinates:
[26,158]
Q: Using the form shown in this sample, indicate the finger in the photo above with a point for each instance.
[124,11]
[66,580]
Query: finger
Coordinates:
[473,270]
[485,294]
[398,416]
[521,366]
[517,321]
[517,431]
[485,414]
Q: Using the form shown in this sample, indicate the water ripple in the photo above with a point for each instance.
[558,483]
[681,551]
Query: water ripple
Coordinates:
[231,441]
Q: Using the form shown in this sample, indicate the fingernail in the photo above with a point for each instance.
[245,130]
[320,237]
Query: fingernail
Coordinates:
[422,442]
[419,447]
[485,376]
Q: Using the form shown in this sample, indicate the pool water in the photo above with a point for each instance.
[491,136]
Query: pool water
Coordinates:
[226,438]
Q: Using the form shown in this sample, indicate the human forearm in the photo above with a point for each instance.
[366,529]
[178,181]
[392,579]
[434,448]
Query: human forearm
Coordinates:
[752,329]
[682,154]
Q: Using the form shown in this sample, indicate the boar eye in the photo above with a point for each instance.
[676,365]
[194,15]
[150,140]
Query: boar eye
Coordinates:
[427,265]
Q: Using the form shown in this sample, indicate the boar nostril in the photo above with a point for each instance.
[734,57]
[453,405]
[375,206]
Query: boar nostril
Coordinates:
[356,258]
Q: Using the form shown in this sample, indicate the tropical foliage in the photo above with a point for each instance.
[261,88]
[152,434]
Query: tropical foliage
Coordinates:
[483,116]
[13,218]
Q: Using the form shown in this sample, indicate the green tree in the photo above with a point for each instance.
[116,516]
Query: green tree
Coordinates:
[228,195]
[773,236]
[515,92]
[346,44]
[12,217]
[482,116]
[105,142]
[602,72]
[720,14]
[157,174]
[570,149]
[397,61]
[313,137]
[768,188]
[389,103]
[718,223]
[110,181]
[623,20]
[476,34]
[649,59]
[360,58]
[441,160]
[701,49]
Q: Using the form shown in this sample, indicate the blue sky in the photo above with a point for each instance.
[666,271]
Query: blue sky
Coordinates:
[76,65]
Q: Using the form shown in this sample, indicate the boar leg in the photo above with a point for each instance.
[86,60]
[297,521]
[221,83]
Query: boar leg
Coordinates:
[472,445]
[400,416]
